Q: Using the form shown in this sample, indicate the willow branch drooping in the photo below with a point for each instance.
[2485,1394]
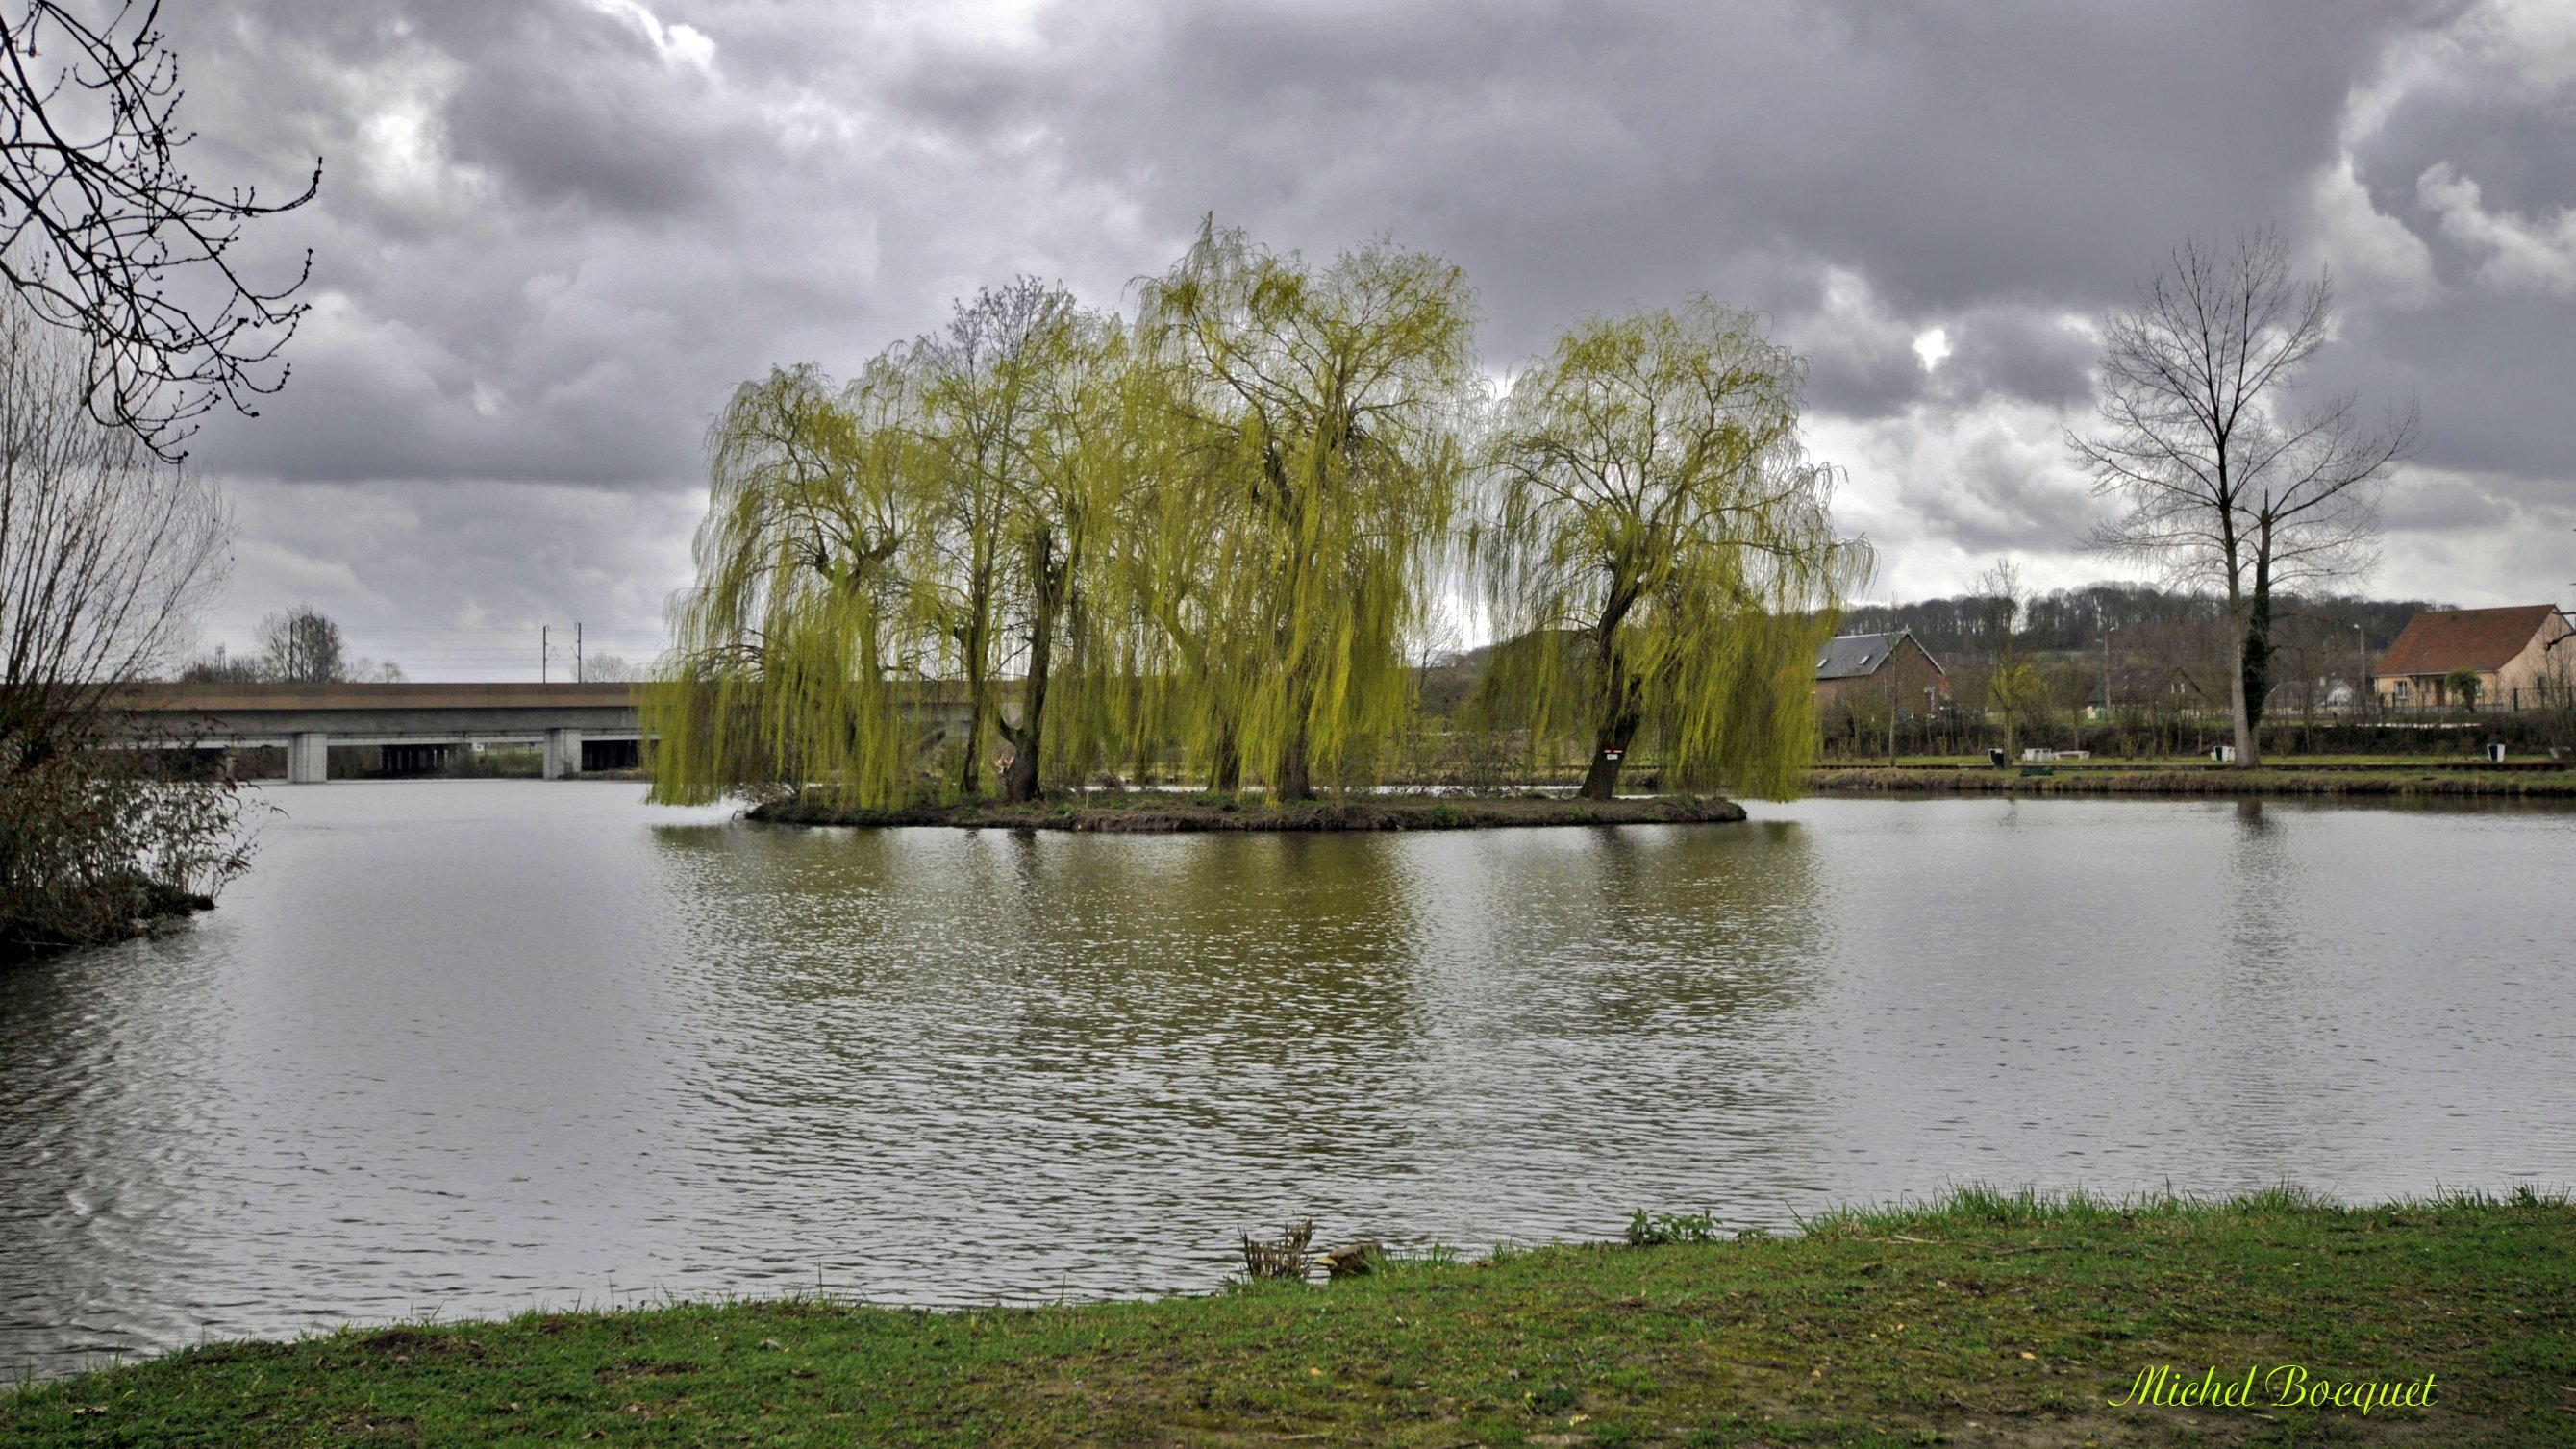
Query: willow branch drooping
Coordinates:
[1657,549]
[1329,405]
[1091,471]
[1029,422]
[933,522]
[787,648]
[1220,531]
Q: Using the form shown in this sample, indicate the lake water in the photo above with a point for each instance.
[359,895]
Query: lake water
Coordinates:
[467,1048]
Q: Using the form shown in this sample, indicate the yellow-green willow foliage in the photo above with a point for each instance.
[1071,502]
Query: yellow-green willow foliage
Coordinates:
[1084,485]
[1321,411]
[981,385]
[1042,534]
[803,618]
[920,545]
[1657,552]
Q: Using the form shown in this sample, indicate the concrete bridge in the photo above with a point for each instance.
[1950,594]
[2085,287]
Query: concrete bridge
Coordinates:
[575,724]
[579,726]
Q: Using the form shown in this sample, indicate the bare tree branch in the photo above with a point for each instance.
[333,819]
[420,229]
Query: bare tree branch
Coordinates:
[99,225]
[2222,488]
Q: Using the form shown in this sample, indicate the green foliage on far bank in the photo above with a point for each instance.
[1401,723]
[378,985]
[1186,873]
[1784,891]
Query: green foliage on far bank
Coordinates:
[1987,1318]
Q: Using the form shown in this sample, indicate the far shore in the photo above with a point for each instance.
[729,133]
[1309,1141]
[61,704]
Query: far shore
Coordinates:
[2432,781]
[1161,813]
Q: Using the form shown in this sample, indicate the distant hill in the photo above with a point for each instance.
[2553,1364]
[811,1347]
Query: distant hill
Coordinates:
[2070,619]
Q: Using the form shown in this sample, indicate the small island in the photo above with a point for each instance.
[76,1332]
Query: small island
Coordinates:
[1148,812]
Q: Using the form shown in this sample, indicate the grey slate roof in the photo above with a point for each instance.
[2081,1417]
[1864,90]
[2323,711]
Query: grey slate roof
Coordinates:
[1857,656]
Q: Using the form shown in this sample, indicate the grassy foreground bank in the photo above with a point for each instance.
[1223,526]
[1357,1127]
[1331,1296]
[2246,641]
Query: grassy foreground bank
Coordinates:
[2090,779]
[1984,1320]
[1143,812]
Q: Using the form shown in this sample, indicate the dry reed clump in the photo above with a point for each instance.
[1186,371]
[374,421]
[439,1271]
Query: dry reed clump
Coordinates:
[1283,1258]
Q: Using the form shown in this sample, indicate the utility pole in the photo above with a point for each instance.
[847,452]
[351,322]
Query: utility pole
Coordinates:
[2106,674]
[576,651]
[2361,655]
[545,650]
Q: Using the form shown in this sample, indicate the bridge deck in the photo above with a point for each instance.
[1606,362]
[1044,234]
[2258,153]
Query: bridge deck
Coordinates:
[307,719]
[239,698]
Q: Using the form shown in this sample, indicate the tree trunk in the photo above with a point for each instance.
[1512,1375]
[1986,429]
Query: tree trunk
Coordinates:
[1609,756]
[1620,707]
[971,758]
[1294,782]
[1618,729]
[1020,781]
[1225,772]
[2247,756]
[2258,639]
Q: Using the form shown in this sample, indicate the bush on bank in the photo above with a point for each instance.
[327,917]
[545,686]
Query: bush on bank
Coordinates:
[98,845]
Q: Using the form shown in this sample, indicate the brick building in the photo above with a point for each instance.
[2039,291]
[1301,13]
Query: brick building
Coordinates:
[1861,670]
[2510,650]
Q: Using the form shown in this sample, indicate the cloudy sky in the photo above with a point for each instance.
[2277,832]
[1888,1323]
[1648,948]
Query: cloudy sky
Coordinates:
[553,234]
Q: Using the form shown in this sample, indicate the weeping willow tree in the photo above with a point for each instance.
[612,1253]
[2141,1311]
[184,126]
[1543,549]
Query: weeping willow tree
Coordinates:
[1323,410]
[791,648]
[981,412]
[1080,473]
[1657,552]
[1221,529]
[869,550]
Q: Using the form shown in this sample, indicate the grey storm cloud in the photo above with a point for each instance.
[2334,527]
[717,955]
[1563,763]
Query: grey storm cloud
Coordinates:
[553,235]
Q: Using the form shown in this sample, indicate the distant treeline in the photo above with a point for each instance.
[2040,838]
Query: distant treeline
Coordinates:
[1966,625]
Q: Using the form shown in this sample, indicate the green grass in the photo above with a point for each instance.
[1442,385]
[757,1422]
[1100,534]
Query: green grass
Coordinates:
[1984,1318]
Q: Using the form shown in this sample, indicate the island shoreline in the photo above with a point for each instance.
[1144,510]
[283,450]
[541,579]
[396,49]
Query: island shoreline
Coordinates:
[1144,814]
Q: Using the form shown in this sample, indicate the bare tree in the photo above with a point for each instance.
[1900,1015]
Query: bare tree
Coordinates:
[303,646]
[2222,487]
[104,233]
[2014,688]
[105,550]
[105,553]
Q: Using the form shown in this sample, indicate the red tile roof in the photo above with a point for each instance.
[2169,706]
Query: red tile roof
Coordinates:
[2438,641]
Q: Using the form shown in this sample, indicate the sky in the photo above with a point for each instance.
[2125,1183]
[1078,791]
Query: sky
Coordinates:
[552,235]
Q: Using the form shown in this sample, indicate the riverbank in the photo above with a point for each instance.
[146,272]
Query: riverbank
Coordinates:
[133,907]
[2450,782]
[1148,812]
[1987,1319]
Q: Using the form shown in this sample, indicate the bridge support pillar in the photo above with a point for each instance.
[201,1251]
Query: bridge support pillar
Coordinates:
[308,758]
[563,754]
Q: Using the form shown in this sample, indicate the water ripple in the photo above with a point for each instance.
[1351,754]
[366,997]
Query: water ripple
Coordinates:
[471,1047]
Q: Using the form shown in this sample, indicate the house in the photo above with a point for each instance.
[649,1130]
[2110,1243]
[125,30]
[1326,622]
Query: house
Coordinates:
[1858,670]
[2508,649]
